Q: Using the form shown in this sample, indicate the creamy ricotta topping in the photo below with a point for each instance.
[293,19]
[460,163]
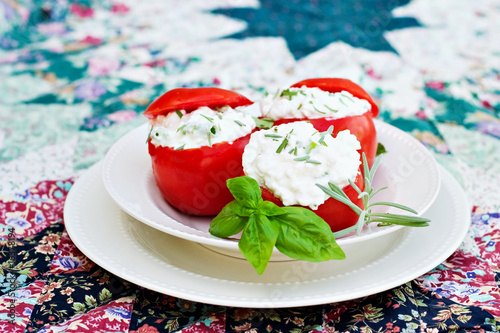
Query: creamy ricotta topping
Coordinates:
[312,103]
[202,127]
[290,159]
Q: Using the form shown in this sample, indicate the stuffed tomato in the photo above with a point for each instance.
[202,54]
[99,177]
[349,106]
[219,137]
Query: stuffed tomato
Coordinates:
[196,143]
[289,160]
[326,102]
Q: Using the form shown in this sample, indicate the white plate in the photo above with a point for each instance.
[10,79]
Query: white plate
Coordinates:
[185,269]
[408,169]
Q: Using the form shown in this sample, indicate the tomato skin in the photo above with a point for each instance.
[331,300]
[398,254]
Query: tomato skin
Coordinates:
[190,99]
[194,180]
[337,214]
[334,85]
[361,126]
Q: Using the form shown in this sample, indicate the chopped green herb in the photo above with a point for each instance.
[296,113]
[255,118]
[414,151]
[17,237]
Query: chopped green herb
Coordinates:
[302,93]
[239,123]
[180,147]
[283,144]
[329,131]
[264,123]
[181,128]
[380,149]
[329,108]
[288,93]
[347,96]
[213,130]
[311,146]
[300,106]
[149,134]
[276,94]
[303,158]
[178,113]
[342,101]
[322,112]
[207,118]
[273,136]
[313,161]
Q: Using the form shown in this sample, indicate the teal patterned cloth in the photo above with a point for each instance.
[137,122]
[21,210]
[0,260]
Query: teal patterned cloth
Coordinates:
[76,75]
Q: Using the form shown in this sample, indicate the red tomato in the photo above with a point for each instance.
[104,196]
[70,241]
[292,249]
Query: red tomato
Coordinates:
[190,99]
[334,85]
[361,126]
[338,215]
[194,180]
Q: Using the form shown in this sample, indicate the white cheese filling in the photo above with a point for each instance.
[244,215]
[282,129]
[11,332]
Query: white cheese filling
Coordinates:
[290,159]
[203,127]
[311,103]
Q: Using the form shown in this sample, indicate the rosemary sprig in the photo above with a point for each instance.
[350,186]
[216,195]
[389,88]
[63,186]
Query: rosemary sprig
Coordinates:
[366,215]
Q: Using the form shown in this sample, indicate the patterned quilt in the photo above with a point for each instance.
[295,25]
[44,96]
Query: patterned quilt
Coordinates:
[76,75]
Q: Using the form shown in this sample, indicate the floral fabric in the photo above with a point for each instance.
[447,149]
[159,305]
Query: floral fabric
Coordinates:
[76,75]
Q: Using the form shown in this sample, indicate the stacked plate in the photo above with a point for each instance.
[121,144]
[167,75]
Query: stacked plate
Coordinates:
[117,217]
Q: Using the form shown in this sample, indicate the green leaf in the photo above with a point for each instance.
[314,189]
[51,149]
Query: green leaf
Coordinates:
[105,295]
[79,307]
[245,190]
[258,240]
[380,149]
[400,294]
[264,123]
[172,325]
[243,211]
[393,204]
[90,301]
[335,192]
[402,217]
[305,236]
[269,208]
[227,222]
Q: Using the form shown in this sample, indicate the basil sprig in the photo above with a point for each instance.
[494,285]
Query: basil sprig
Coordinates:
[295,231]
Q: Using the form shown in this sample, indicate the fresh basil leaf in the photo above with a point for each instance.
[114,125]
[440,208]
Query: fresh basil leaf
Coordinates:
[246,191]
[269,208]
[380,149]
[257,241]
[264,123]
[227,222]
[305,236]
[244,211]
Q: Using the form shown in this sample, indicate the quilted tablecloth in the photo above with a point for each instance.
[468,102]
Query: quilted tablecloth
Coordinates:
[77,75]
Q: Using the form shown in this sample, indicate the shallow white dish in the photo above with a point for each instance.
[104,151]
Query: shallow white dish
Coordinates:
[185,269]
[408,169]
